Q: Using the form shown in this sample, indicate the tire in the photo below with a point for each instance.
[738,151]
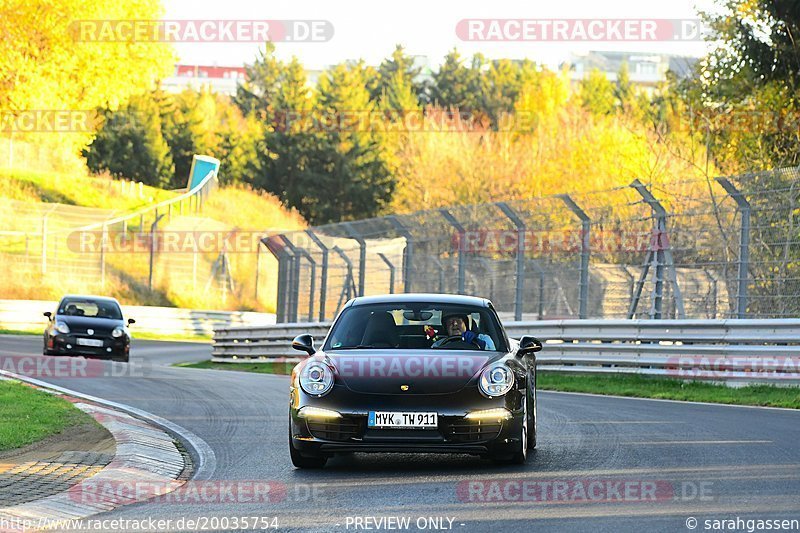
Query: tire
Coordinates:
[45,351]
[532,426]
[520,454]
[305,461]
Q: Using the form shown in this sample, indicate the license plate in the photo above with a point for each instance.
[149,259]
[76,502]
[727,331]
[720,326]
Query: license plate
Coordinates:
[97,343]
[386,419]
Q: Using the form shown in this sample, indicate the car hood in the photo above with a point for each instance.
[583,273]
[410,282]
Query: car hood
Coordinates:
[423,371]
[82,323]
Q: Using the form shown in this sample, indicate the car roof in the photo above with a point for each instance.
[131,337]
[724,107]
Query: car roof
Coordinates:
[447,299]
[105,299]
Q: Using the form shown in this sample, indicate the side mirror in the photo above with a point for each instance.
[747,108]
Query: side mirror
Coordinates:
[528,345]
[48,314]
[131,321]
[304,343]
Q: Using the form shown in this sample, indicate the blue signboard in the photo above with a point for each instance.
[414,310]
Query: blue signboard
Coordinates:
[201,166]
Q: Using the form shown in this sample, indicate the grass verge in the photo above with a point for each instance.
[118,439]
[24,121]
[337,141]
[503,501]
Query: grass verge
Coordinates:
[671,389]
[284,369]
[28,415]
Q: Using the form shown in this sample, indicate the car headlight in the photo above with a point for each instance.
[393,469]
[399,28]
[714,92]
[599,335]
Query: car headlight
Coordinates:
[316,378]
[117,332]
[62,327]
[496,380]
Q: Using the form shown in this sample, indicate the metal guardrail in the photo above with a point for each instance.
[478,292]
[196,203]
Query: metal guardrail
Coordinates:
[744,350]
[26,315]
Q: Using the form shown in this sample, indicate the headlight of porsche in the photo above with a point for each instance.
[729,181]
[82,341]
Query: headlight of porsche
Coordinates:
[117,332]
[62,327]
[316,378]
[496,380]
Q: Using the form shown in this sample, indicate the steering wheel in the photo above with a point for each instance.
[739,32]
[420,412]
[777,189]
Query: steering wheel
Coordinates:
[452,339]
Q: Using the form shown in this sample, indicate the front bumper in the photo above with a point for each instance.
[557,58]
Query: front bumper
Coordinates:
[454,434]
[112,347]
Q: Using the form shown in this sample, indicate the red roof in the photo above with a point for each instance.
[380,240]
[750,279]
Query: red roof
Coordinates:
[208,71]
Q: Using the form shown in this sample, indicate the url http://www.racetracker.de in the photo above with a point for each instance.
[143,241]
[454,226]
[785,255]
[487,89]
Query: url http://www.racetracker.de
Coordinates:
[199,523]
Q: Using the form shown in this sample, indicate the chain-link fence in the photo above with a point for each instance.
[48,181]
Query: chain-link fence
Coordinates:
[48,249]
[701,248]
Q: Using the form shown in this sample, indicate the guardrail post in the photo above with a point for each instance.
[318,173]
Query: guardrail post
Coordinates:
[660,254]
[743,262]
[520,267]
[323,285]
[461,259]
[586,227]
[408,253]
[362,256]
[391,272]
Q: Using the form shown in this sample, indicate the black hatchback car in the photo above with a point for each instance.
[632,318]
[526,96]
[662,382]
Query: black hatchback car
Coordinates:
[91,326]
[414,373]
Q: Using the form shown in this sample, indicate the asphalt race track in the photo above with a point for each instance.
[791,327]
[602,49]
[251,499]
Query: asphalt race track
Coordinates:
[602,464]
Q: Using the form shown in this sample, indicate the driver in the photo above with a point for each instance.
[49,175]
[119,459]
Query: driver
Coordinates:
[456,325]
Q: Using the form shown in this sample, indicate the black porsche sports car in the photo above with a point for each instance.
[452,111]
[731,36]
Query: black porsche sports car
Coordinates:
[414,373]
[91,326]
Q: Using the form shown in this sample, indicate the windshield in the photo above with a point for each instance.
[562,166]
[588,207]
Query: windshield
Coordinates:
[89,308]
[416,326]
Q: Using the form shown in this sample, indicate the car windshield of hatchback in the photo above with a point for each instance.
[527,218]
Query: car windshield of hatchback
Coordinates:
[416,326]
[90,309]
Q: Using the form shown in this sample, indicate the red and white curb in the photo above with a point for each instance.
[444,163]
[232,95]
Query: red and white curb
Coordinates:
[145,456]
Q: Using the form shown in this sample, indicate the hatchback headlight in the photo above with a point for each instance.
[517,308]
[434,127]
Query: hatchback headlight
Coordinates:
[316,378]
[62,327]
[496,380]
[117,332]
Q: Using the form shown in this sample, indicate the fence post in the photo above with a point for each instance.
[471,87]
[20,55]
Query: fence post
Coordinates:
[153,238]
[586,227]
[298,252]
[323,285]
[103,241]
[661,255]
[362,256]
[294,286]
[448,216]
[520,267]
[44,243]
[743,262]
[258,271]
[391,271]
[277,250]
[408,253]
[349,282]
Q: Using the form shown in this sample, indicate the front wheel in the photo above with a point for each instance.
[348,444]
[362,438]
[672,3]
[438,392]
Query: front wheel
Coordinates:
[304,461]
[520,453]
